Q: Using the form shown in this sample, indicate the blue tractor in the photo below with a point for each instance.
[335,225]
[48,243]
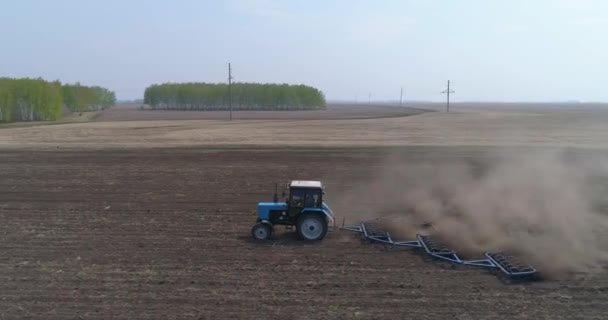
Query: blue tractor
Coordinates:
[303,208]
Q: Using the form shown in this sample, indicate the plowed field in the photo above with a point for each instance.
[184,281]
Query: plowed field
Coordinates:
[164,233]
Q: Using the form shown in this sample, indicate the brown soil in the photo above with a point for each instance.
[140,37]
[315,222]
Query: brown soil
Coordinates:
[133,112]
[165,234]
[479,125]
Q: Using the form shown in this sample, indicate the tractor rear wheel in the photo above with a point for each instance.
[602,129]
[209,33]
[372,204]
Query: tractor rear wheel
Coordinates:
[261,231]
[311,227]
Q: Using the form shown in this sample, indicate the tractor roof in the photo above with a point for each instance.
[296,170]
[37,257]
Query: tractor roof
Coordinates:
[305,184]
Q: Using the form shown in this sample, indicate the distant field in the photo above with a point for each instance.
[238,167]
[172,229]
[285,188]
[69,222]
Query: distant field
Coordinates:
[516,106]
[339,126]
[132,112]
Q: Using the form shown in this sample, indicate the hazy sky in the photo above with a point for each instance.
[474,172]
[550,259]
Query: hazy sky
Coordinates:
[499,50]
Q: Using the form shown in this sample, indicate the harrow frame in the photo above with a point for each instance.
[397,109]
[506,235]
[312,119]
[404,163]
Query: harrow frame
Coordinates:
[510,267]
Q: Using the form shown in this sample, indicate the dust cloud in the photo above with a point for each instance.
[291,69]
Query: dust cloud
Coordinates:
[547,207]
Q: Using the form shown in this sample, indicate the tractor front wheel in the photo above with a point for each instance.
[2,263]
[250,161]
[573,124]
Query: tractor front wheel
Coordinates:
[311,227]
[261,231]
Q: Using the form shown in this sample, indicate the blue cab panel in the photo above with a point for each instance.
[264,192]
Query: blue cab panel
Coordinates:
[264,209]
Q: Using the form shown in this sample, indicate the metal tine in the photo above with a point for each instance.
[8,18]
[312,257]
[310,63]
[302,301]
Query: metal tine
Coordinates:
[509,265]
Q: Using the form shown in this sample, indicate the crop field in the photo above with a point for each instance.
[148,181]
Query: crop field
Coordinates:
[150,218]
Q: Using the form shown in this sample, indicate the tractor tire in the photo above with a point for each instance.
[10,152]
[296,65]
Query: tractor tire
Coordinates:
[261,231]
[311,227]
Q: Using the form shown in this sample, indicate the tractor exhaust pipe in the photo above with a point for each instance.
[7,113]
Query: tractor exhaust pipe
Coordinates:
[276,196]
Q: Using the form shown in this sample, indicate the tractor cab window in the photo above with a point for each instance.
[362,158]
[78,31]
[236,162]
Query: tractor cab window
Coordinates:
[313,199]
[309,198]
[297,198]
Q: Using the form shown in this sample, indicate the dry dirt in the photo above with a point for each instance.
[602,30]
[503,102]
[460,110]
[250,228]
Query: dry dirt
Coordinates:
[570,126]
[165,234]
[120,226]
[133,112]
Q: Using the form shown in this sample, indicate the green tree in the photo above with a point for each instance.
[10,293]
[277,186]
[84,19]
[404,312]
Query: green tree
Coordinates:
[37,99]
[246,96]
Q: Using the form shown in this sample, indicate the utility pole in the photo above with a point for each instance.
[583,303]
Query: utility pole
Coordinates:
[448,91]
[401,97]
[230,89]
[369,99]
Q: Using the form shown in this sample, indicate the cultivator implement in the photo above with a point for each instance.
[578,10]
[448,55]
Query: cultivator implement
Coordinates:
[510,265]
[437,250]
[507,264]
[369,231]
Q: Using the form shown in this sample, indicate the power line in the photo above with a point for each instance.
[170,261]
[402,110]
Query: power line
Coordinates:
[448,91]
[230,89]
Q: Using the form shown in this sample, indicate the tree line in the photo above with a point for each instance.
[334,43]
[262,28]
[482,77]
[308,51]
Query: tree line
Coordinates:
[244,96]
[38,99]
[81,98]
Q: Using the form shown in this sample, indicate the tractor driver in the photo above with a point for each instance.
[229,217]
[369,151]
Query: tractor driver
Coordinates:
[297,201]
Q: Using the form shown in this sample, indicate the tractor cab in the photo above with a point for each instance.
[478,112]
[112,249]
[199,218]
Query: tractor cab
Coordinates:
[303,208]
[304,194]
